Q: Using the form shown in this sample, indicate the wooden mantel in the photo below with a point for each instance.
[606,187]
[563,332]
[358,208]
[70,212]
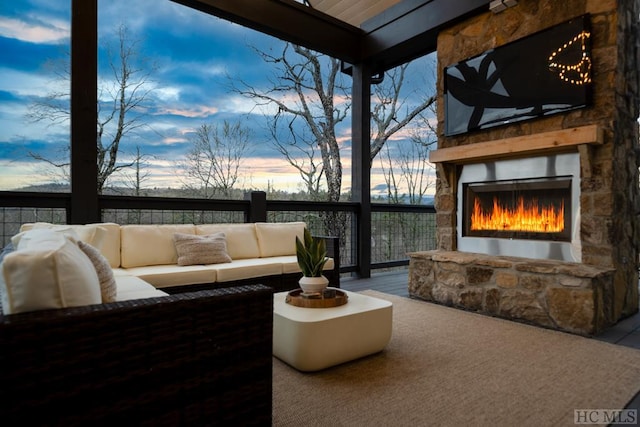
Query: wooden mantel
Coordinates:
[540,143]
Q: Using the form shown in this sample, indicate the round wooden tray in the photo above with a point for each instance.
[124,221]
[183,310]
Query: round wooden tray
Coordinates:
[317,300]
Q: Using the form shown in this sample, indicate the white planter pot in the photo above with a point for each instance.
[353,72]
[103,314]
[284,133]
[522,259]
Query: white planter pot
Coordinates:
[311,285]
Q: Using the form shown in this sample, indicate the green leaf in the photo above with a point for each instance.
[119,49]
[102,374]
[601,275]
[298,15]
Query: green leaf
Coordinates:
[311,254]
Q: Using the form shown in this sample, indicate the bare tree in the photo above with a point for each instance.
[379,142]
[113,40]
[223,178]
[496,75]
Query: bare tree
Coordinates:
[213,162]
[407,171]
[304,91]
[309,101]
[303,157]
[409,177]
[122,98]
[390,113]
[140,174]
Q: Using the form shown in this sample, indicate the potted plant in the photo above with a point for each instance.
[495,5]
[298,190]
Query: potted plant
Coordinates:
[312,256]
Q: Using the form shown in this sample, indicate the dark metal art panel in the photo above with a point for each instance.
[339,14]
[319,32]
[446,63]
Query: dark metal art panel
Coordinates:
[545,73]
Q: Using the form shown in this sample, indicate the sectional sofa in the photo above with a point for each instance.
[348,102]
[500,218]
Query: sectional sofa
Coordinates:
[143,255]
[101,325]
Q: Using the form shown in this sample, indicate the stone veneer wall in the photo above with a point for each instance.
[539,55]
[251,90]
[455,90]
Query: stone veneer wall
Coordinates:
[549,293]
[609,199]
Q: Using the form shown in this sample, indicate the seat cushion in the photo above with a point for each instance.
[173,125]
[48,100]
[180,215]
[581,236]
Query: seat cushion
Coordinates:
[162,276]
[290,264]
[131,287]
[247,269]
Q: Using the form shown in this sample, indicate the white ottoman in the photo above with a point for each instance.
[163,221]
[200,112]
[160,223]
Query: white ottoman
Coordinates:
[310,339]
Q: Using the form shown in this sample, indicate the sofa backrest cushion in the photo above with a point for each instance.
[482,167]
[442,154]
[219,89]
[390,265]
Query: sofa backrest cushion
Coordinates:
[47,270]
[92,234]
[104,236]
[110,243]
[149,244]
[242,241]
[278,238]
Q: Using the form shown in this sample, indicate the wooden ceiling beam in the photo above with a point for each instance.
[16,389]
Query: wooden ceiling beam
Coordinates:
[290,21]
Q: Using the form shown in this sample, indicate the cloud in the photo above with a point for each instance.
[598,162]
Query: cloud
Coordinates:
[198,57]
[191,112]
[23,84]
[54,31]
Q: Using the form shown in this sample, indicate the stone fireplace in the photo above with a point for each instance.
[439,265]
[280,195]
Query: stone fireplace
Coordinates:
[537,219]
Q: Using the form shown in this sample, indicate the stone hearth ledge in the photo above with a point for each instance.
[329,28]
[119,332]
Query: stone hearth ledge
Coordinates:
[560,295]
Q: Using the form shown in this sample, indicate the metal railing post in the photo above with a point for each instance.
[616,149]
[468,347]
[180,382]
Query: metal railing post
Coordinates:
[258,207]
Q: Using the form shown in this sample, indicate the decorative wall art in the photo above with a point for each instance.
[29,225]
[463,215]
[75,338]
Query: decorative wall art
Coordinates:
[545,73]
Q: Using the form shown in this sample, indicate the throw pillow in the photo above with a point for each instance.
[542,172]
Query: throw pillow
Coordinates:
[108,287]
[193,249]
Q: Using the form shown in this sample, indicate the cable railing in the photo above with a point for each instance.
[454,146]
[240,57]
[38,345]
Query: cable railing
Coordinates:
[395,229]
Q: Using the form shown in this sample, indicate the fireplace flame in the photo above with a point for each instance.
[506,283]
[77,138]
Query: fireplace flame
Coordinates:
[530,218]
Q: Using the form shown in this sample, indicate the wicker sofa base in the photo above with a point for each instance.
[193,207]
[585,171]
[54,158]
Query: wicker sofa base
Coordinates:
[196,358]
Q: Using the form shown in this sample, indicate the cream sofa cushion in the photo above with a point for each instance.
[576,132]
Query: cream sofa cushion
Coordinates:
[47,271]
[32,237]
[131,287]
[290,264]
[110,243]
[247,269]
[150,244]
[242,241]
[92,234]
[162,276]
[276,239]
[104,236]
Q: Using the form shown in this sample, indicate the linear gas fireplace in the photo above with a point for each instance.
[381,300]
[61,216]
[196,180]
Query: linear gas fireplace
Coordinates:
[521,207]
[537,208]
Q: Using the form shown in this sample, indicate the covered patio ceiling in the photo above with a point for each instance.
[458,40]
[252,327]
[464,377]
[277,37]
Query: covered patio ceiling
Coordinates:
[354,12]
[380,33]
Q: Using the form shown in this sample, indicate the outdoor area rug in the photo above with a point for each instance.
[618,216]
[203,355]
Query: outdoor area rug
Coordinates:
[448,367]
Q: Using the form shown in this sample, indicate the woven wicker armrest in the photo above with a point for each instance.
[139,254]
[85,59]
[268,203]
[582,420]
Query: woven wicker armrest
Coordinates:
[193,358]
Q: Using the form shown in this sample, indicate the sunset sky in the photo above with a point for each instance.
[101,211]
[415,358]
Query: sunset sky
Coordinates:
[194,55]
